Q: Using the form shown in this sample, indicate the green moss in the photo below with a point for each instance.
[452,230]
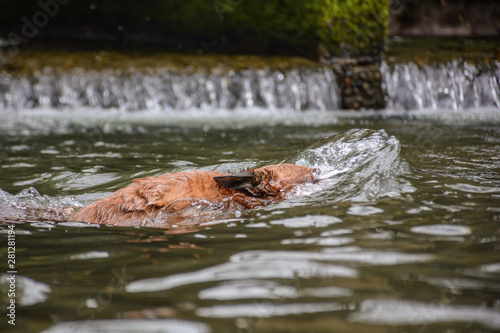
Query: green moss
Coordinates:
[352,27]
[66,59]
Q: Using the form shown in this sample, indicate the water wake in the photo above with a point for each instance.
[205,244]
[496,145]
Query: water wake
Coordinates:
[358,165]
[30,205]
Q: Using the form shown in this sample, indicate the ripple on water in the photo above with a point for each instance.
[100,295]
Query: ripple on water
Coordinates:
[280,265]
[249,289]
[491,268]
[469,188]
[441,230]
[317,221]
[362,210]
[267,310]
[322,241]
[251,265]
[402,312]
[29,291]
[257,289]
[354,254]
[130,325]
[72,224]
[90,255]
[461,283]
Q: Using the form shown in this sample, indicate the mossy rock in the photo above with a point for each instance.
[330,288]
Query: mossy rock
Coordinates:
[354,27]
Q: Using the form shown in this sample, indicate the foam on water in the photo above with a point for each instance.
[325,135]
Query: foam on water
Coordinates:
[45,121]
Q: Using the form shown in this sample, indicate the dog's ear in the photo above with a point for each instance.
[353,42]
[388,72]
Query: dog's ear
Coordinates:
[242,180]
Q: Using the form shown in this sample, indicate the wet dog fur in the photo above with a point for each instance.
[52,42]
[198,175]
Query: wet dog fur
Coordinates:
[159,201]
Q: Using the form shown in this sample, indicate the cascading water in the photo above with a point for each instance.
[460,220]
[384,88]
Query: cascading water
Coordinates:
[160,88]
[453,85]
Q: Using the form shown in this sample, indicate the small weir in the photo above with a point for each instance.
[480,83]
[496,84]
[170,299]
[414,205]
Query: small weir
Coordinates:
[158,88]
[453,85]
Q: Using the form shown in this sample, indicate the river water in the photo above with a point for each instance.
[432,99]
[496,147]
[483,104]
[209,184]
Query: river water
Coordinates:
[400,235]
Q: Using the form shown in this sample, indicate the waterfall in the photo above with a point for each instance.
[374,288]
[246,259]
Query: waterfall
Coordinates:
[160,88]
[452,86]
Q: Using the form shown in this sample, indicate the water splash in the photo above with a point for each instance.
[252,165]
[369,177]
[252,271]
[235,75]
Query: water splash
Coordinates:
[30,205]
[30,196]
[161,88]
[358,165]
[453,85]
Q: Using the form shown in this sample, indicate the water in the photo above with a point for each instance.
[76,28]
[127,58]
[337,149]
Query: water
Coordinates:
[164,81]
[453,85]
[400,235]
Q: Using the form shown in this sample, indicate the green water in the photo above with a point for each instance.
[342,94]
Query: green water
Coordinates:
[384,250]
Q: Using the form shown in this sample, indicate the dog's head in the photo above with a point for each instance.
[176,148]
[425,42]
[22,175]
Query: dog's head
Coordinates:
[271,180]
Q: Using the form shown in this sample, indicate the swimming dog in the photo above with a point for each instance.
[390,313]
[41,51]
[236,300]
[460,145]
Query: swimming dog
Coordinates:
[159,201]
